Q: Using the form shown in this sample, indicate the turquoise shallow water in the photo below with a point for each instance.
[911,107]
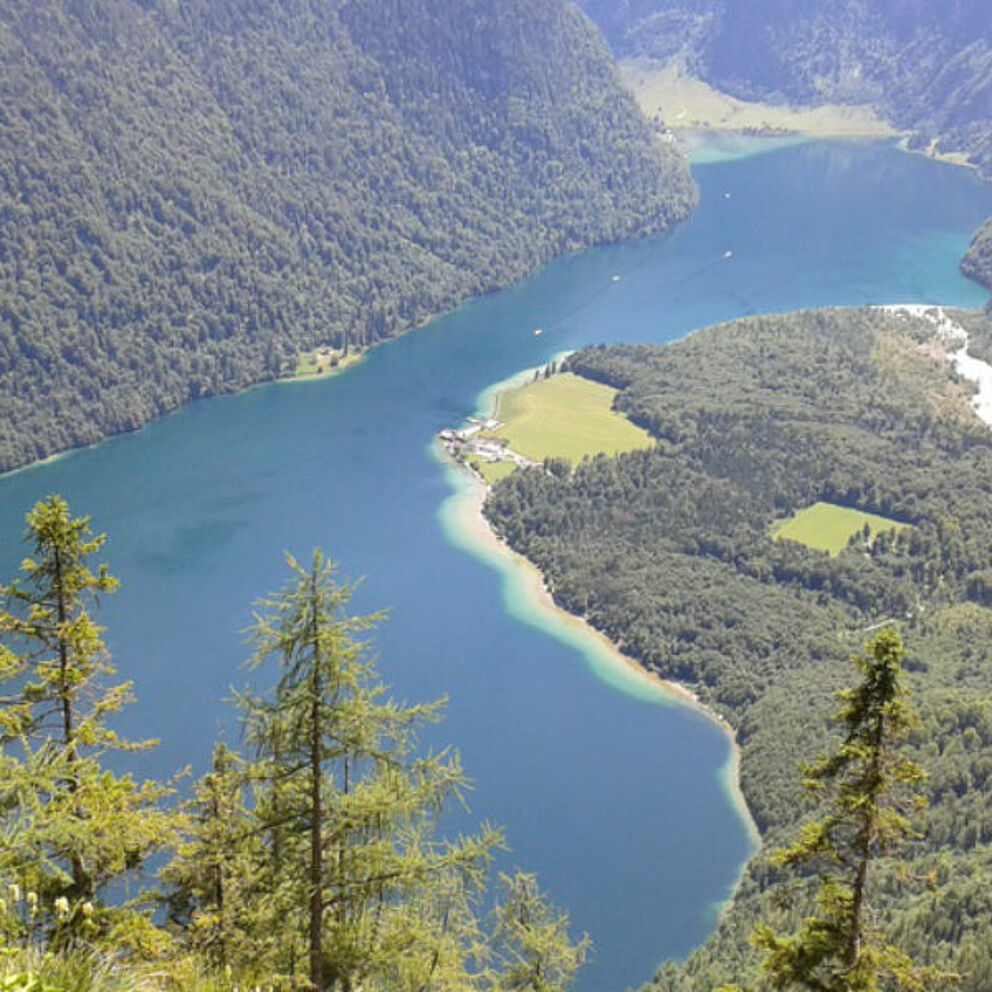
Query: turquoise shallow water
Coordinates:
[616,799]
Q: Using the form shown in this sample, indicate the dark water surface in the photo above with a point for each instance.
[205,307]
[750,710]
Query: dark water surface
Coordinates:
[614,797]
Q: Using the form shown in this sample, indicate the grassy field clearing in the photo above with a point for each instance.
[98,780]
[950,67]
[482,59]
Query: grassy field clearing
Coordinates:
[827,527]
[325,361]
[492,472]
[686,102]
[566,416]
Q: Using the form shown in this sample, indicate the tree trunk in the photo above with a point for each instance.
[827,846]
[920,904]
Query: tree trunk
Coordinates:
[316,810]
[80,882]
[857,910]
[864,847]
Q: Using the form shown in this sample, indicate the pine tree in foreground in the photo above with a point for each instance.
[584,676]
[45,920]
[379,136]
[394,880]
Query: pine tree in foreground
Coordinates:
[213,877]
[350,808]
[530,941]
[869,789]
[70,826]
[314,866]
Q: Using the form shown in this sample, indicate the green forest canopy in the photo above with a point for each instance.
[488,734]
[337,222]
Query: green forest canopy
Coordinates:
[977,263]
[193,194]
[668,551]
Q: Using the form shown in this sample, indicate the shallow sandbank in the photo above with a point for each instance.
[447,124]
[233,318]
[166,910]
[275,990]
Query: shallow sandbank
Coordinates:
[528,599]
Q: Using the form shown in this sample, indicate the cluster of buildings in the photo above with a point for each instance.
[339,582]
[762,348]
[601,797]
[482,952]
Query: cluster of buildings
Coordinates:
[475,440]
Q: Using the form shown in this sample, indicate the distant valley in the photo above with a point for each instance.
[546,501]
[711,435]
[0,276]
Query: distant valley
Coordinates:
[924,68]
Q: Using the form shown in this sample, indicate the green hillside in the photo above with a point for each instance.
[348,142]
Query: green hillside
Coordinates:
[193,194]
[978,262]
[669,551]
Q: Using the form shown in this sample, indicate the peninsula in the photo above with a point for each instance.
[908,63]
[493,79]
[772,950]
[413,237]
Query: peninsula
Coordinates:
[867,410]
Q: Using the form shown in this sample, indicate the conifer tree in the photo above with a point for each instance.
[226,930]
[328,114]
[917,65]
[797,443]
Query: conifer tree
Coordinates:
[868,786]
[356,808]
[70,825]
[213,877]
[530,941]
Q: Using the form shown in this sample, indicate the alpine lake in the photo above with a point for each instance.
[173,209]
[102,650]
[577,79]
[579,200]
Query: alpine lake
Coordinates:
[617,794]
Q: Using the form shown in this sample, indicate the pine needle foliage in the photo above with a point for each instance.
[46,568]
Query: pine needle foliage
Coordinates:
[312,864]
[212,878]
[70,826]
[530,941]
[347,805]
[868,788]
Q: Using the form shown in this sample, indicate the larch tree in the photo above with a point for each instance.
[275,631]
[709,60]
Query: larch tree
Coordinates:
[70,825]
[213,878]
[530,941]
[356,808]
[869,788]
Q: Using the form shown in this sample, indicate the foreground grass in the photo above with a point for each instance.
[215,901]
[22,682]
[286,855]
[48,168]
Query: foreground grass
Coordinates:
[78,971]
[566,416]
[83,970]
[827,527]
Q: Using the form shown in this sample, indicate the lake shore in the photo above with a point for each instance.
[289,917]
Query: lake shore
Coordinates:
[933,151]
[692,110]
[529,600]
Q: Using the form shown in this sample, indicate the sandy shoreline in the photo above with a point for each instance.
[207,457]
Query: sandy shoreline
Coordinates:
[934,153]
[462,517]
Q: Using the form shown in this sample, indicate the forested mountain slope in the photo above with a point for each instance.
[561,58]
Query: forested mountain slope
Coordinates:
[670,552]
[192,193]
[977,263]
[925,65]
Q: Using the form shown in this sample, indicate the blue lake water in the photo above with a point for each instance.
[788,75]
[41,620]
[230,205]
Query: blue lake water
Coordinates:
[614,797]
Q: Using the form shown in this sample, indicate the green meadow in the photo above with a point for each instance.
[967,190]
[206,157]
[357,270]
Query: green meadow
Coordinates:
[492,472]
[566,416]
[827,527]
[325,361]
